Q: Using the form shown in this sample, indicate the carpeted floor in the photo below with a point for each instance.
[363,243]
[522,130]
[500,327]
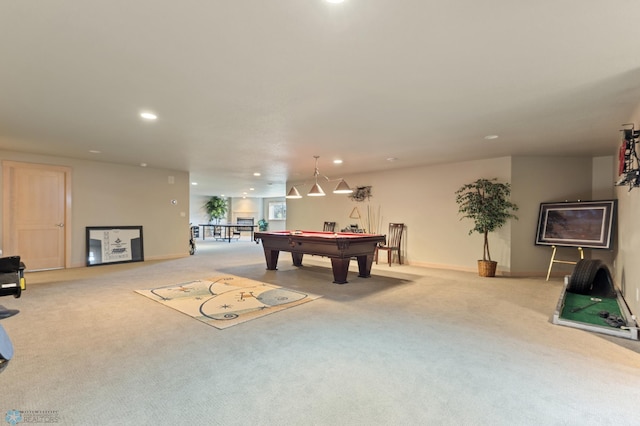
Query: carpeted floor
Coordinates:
[408,346]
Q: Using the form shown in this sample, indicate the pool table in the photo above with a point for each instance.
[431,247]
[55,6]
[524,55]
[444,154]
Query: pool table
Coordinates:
[340,247]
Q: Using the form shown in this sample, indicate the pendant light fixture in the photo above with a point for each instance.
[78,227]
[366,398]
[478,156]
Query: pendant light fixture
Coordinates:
[342,188]
[316,189]
[293,193]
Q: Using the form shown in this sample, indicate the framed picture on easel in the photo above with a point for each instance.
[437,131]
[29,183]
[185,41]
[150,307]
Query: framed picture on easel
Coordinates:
[586,224]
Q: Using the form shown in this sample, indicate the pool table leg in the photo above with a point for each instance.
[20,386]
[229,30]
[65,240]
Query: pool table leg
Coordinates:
[297,258]
[271,257]
[364,266]
[340,268]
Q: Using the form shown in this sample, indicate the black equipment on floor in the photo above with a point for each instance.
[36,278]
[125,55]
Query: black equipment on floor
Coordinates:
[12,283]
[11,276]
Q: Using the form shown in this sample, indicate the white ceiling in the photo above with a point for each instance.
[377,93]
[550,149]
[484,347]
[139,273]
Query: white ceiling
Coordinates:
[248,86]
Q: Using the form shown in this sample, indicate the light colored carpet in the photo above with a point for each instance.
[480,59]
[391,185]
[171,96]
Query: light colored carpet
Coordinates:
[408,346]
[227,300]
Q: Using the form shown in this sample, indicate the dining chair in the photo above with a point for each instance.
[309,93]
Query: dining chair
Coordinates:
[394,242]
[239,229]
[329,227]
[217,233]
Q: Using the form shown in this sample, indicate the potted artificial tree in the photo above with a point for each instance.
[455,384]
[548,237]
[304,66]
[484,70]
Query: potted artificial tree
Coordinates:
[216,208]
[486,202]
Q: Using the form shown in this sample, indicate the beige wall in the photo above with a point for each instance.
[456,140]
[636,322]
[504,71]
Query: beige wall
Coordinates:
[544,179]
[106,194]
[245,207]
[627,266]
[423,198]
[627,253]
[604,175]
[197,214]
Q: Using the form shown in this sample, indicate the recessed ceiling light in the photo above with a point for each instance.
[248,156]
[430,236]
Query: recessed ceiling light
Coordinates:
[252,189]
[143,164]
[148,115]
[335,1]
[489,137]
[256,174]
[194,183]
[391,159]
[95,151]
[337,161]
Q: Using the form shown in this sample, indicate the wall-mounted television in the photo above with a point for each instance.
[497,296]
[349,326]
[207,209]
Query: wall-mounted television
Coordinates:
[587,224]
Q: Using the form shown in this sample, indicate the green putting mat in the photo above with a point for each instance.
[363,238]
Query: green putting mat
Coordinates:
[590,314]
[587,313]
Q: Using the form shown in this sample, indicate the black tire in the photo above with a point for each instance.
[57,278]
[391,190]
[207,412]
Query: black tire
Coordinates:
[582,276]
[602,285]
[592,277]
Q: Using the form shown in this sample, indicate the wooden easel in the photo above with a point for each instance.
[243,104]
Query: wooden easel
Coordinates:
[568,262]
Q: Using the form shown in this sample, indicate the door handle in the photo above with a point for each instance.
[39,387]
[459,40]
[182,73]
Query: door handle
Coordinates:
[61,225]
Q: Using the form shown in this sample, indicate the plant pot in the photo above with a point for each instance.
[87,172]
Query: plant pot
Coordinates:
[487,268]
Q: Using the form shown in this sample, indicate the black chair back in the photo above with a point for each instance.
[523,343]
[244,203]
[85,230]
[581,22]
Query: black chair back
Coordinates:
[329,227]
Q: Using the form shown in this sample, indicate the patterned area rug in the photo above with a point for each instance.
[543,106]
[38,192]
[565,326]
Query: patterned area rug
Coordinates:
[227,300]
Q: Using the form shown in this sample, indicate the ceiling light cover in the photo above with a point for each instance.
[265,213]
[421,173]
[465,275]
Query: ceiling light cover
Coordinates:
[316,191]
[342,188]
[148,115]
[293,193]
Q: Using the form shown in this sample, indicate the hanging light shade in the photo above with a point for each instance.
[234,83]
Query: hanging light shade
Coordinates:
[293,193]
[342,188]
[316,191]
